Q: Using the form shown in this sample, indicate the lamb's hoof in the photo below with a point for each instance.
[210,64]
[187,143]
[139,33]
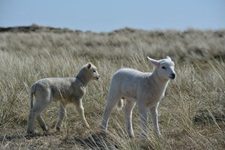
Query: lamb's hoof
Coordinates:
[45,128]
[87,125]
[46,132]
[58,129]
[131,136]
[144,136]
[30,133]
[159,136]
[103,130]
[103,127]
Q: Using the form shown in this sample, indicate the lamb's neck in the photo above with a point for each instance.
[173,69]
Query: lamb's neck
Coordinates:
[83,79]
[159,83]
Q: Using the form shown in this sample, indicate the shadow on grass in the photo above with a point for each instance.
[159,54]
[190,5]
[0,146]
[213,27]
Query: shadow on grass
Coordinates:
[24,136]
[98,140]
[205,116]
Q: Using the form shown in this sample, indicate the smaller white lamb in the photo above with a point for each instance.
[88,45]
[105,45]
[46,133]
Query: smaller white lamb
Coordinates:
[64,90]
[145,89]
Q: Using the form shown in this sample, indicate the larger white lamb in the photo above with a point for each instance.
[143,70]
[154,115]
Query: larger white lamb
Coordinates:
[145,89]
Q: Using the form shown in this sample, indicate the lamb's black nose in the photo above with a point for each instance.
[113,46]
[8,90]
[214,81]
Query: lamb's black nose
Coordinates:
[173,76]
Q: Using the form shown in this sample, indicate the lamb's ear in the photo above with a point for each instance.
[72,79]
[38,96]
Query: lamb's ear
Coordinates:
[154,62]
[168,57]
[89,65]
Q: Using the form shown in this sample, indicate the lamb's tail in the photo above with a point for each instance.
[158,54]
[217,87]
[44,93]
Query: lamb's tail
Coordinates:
[32,91]
[120,104]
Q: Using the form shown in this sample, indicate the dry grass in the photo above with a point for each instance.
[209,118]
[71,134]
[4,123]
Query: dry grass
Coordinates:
[192,114]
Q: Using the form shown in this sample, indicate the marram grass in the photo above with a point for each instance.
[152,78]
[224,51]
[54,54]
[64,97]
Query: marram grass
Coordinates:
[191,115]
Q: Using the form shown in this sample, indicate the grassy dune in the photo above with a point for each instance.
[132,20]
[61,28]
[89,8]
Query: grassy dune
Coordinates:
[191,116]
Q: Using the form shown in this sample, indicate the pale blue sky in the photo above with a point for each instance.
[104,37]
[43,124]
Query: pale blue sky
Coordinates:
[108,15]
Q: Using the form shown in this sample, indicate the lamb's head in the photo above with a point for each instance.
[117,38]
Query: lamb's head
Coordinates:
[164,67]
[92,72]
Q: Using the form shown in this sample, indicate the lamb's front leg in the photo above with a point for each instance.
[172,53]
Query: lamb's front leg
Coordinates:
[62,112]
[143,114]
[80,109]
[154,113]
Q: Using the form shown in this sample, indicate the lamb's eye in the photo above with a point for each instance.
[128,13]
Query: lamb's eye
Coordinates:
[163,67]
[94,70]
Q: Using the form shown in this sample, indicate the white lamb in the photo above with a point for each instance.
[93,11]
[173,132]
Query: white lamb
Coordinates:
[147,89]
[64,90]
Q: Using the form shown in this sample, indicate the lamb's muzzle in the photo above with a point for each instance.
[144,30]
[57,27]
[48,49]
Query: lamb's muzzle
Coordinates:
[173,75]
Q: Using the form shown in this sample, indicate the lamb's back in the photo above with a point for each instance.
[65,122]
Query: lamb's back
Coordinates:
[59,87]
[128,81]
[130,74]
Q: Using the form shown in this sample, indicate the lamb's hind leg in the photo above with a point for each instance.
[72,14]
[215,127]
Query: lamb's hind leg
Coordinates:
[128,117]
[111,102]
[42,123]
[31,119]
[62,112]
[43,100]
[39,106]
